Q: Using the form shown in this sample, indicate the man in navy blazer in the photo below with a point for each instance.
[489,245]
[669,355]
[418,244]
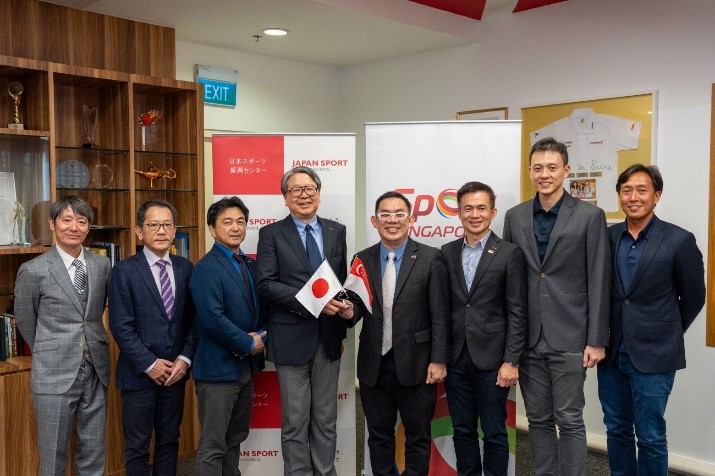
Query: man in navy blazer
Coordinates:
[306,351]
[231,336]
[151,316]
[657,291]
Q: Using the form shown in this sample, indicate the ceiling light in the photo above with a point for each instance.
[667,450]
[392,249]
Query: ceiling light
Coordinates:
[275,31]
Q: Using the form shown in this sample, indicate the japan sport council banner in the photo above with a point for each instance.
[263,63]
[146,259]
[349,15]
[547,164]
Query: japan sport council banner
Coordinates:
[428,162]
[251,166]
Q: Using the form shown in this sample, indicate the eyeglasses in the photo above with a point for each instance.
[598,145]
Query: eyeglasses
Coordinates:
[310,191]
[155,226]
[399,216]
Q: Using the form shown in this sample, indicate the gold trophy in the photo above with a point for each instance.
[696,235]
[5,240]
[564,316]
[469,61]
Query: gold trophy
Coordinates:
[15,89]
[152,173]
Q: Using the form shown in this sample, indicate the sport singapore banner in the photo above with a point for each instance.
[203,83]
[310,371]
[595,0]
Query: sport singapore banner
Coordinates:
[251,166]
[428,162]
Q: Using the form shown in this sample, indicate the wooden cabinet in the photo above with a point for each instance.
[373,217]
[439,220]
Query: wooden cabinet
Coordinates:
[49,159]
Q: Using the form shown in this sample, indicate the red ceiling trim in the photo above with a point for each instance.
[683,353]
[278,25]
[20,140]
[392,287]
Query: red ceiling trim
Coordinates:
[466,8]
[522,5]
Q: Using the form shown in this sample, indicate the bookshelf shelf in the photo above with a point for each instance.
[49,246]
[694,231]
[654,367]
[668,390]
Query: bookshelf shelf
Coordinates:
[48,161]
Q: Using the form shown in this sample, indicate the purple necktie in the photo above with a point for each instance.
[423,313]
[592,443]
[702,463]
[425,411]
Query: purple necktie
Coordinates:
[167,294]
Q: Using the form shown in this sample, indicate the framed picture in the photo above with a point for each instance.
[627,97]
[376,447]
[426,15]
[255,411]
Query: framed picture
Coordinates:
[495,114]
[710,303]
[603,136]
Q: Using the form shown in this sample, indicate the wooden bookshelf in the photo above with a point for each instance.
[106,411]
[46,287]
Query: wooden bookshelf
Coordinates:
[123,68]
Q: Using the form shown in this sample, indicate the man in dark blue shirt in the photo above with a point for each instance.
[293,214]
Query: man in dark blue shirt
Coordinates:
[658,289]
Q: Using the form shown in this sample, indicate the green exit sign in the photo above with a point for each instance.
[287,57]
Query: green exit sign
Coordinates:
[219,93]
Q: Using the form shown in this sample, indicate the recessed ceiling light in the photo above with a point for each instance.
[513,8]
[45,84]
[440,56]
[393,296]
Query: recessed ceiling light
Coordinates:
[275,31]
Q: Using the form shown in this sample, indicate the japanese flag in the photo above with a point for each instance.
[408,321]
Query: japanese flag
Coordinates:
[319,290]
[357,282]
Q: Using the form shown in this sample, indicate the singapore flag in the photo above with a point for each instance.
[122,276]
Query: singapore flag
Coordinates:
[319,290]
[357,282]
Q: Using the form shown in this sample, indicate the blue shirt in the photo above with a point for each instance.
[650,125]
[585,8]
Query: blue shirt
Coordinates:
[544,224]
[399,251]
[317,233]
[471,256]
[629,255]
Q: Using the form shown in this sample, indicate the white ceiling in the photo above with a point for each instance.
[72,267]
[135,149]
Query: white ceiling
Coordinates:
[327,32]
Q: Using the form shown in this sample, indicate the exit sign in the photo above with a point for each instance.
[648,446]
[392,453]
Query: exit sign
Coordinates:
[220,84]
[218,93]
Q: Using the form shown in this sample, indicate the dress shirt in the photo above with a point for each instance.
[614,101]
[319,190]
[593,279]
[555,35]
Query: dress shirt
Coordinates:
[399,251]
[629,255]
[317,232]
[152,260]
[544,222]
[68,261]
[471,256]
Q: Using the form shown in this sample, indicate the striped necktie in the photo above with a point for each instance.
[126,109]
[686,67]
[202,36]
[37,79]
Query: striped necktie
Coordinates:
[167,294]
[389,280]
[80,277]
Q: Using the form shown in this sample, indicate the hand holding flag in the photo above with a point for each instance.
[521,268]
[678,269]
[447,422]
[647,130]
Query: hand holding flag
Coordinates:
[319,290]
[358,283]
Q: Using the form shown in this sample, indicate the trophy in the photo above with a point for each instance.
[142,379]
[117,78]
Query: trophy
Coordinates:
[18,225]
[90,115]
[152,173]
[15,89]
[148,122]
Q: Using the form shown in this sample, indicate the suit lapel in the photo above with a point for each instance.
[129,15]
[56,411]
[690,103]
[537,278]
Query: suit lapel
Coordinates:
[618,230]
[58,271]
[231,270]
[655,238]
[528,220]
[292,237]
[490,251]
[562,218]
[409,258]
[456,256]
[144,270]
[328,236]
[374,275]
[92,275]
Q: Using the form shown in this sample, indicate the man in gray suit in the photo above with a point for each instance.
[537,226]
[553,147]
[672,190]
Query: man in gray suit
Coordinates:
[565,242]
[59,301]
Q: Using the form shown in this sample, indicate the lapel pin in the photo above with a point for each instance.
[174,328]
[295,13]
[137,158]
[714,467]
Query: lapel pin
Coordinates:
[413,257]
[490,250]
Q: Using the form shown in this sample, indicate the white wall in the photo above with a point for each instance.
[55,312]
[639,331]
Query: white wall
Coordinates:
[273,95]
[583,49]
[580,49]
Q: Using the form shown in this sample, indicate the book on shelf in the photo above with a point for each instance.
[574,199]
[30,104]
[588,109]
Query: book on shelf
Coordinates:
[181,243]
[11,342]
[110,250]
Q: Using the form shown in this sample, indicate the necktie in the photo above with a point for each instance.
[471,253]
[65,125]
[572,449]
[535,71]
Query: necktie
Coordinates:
[311,247]
[167,294]
[388,296]
[80,277]
[246,278]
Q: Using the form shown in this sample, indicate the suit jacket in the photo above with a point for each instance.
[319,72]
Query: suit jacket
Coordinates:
[139,323]
[420,315]
[225,317]
[667,293]
[283,269]
[50,318]
[490,317]
[569,291]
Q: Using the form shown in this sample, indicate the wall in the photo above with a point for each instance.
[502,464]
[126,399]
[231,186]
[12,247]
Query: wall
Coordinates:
[582,49]
[274,95]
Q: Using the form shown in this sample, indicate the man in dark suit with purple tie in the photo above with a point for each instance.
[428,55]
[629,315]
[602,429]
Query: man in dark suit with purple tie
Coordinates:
[151,316]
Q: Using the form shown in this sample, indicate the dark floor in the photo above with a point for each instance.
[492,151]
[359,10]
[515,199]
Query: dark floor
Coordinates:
[597,464]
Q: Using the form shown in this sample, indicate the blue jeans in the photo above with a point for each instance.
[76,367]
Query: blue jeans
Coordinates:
[632,399]
[473,396]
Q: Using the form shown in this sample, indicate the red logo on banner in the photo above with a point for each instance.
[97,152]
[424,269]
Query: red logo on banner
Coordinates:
[266,411]
[247,165]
